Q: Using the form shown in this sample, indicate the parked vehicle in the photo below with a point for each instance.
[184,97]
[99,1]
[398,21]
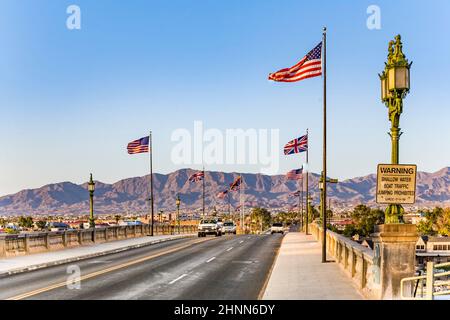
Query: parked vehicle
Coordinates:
[229,227]
[58,226]
[277,227]
[209,226]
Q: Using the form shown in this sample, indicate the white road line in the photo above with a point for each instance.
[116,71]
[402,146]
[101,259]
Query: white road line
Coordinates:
[241,241]
[208,261]
[230,248]
[179,278]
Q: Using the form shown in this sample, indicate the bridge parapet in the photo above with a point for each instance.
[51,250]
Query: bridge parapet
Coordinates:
[359,262]
[35,242]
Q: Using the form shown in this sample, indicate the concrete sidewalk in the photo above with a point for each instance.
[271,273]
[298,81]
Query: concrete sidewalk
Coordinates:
[31,262]
[298,273]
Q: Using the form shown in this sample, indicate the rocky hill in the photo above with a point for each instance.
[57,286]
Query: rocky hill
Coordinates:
[129,195]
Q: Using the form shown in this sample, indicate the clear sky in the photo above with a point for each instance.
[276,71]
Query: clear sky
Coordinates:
[72,99]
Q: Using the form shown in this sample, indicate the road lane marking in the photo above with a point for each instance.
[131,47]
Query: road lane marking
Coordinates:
[241,241]
[179,278]
[208,261]
[107,270]
[230,248]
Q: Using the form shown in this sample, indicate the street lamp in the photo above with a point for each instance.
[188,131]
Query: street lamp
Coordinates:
[91,188]
[178,202]
[395,85]
[308,209]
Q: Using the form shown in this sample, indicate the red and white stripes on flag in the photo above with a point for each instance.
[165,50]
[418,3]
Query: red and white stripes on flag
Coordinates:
[310,66]
[197,176]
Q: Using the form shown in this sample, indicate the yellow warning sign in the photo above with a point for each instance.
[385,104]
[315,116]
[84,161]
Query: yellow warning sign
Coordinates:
[396,183]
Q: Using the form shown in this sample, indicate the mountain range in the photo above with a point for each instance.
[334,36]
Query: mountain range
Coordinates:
[130,195]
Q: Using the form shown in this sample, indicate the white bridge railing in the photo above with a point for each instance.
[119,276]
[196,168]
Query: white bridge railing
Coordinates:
[428,286]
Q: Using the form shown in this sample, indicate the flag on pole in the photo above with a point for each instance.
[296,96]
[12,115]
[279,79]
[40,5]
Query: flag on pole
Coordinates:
[295,194]
[296,146]
[295,174]
[236,184]
[197,177]
[222,194]
[310,66]
[138,146]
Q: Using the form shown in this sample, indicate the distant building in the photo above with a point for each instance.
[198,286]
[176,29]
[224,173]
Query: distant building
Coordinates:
[436,249]
[414,218]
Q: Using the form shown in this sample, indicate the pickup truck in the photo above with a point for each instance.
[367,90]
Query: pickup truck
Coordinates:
[209,226]
[229,227]
[276,227]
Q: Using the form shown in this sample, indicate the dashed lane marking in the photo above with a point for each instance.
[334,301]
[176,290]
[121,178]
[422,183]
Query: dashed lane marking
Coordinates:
[179,278]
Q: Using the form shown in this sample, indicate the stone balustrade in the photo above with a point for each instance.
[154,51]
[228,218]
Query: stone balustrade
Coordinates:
[27,243]
[358,262]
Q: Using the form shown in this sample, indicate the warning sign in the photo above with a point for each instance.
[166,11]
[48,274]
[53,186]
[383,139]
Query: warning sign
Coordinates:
[396,183]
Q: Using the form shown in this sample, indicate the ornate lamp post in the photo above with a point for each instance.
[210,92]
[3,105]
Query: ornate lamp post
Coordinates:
[395,85]
[91,188]
[178,202]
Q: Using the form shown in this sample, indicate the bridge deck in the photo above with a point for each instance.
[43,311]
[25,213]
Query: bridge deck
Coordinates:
[298,273]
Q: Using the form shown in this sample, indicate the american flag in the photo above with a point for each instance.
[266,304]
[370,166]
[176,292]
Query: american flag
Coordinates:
[222,194]
[236,184]
[295,194]
[138,146]
[197,177]
[310,66]
[297,145]
[295,174]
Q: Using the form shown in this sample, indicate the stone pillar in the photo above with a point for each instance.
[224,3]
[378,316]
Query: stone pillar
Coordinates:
[26,243]
[396,246]
[2,246]
[64,238]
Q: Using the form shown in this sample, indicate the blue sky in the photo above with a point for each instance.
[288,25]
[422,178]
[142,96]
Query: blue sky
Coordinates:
[72,99]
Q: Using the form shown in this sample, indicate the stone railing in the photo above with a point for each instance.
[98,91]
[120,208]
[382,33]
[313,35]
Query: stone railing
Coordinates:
[357,261]
[27,243]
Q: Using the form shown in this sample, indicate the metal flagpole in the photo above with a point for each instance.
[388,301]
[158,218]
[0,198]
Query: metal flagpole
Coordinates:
[203,201]
[151,180]
[301,201]
[324,190]
[229,205]
[307,186]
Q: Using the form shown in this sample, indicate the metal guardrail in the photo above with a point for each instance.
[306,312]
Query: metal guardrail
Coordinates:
[432,287]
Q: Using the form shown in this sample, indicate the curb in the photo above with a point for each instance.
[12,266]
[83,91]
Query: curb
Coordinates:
[87,256]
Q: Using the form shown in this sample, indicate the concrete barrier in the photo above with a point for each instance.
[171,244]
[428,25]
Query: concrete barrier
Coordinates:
[28,243]
[358,262]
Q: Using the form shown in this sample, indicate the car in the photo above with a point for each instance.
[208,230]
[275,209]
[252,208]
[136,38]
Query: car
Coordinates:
[277,227]
[208,227]
[229,227]
[220,223]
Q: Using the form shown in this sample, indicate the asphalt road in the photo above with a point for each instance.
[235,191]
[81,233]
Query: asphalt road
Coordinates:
[228,267]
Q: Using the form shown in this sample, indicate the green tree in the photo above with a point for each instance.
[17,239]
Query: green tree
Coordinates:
[437,221]
[41,224]
[261,218]
[364,219]
[25,222]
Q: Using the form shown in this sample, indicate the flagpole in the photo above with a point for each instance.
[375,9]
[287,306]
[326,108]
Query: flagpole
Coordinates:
[307,186]
[203,201]
[301,205]
[300,194]
[324,190]
[151,180]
